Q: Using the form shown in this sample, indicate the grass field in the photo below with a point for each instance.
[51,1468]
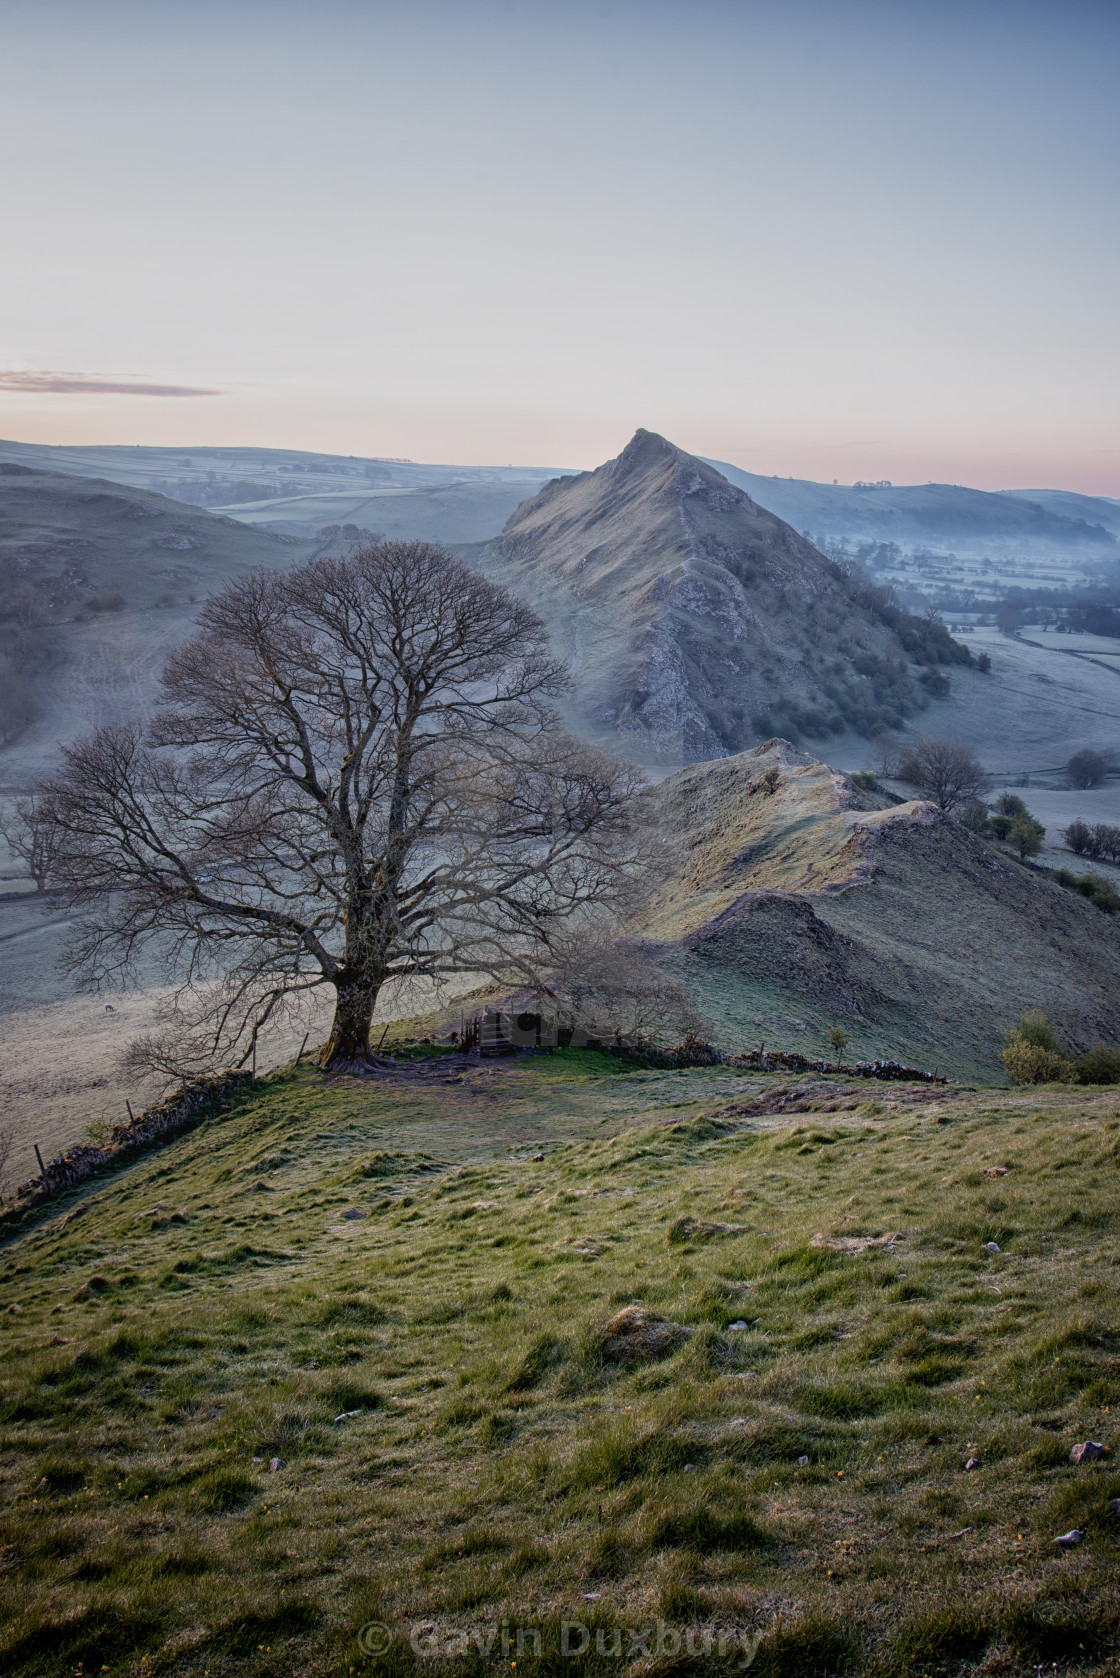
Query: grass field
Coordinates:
[383,1285]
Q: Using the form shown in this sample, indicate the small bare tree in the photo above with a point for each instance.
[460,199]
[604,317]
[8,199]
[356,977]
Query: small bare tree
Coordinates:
[942,771]
[33,842]
[1088,767]
[355,777]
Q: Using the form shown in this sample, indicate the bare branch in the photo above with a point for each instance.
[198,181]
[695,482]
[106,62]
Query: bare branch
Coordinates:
[355,778]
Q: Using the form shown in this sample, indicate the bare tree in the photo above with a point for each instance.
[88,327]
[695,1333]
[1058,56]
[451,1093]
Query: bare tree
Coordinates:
[355,777]
[18,706]
[1088,768]
[942,771]
[33,842]
[888,751]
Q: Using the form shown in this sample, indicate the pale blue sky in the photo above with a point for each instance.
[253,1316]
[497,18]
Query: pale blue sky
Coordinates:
[828,240]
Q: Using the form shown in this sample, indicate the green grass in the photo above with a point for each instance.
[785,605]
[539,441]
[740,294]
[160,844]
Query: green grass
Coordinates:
[500,1468]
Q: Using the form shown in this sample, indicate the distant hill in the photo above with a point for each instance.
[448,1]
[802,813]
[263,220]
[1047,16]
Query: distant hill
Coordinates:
[805,904]
[939,515]
[472,511]
[96,583]
[218,477]
[1095,509]
[716,622]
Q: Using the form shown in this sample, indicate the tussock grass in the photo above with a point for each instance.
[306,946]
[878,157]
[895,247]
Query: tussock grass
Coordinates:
[458,1446]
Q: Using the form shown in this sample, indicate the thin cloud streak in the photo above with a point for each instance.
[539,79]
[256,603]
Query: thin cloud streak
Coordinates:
[84,384]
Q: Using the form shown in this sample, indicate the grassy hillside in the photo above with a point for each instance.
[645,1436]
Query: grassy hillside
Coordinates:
[797,901]
[718,1360]
[96,584]
[69,544]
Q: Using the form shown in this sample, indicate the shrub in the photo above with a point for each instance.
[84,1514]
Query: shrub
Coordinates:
[1105,841]
[1034,1028]
[1102,893]
[1026,1063]
[1010,804]
[1099,1065]
[1033,1054]
[974,816]
[1026,835]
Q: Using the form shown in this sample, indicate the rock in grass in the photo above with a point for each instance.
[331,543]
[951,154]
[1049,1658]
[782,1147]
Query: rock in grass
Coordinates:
[991,1246]
[1069,1540]
[973,1462]
[636,1335]
[275,1464]
[1114,1505]
[1089,1452]
[695,1229]
[740,1324]
[353,1212]
[802,1462]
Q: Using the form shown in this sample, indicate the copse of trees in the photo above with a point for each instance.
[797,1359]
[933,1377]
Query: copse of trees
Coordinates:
[924,638]
[1098,841]
[1013,824]
[355,778]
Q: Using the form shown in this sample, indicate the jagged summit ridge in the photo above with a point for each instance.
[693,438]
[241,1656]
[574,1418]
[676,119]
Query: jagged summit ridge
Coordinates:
[735,627]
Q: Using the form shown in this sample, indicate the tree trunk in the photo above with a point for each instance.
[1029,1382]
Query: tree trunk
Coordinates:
[355,1000]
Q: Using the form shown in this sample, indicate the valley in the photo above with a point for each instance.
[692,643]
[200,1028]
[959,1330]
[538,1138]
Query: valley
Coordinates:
[672,599]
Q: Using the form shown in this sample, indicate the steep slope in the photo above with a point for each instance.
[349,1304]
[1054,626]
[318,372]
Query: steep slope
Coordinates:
[734,625]
[796,903]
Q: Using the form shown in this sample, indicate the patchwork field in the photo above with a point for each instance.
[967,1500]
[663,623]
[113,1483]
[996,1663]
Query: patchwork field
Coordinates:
[698,1356]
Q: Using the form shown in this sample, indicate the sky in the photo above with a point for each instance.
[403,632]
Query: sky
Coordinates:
[833,239]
